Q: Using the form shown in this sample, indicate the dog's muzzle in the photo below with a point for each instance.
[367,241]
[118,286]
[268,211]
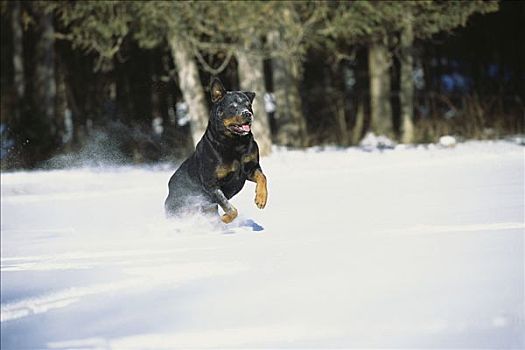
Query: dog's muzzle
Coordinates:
[247,115]
[240,124]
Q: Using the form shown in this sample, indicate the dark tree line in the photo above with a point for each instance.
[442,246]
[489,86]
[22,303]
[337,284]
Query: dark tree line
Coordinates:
[131,76]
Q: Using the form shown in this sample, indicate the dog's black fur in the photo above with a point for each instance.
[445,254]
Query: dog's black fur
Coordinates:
[225,157]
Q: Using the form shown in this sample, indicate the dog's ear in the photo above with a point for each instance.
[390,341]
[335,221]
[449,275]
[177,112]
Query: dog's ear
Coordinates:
[250,95]
[216,90]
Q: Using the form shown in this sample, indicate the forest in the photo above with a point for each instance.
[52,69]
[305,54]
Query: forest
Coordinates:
[126,82]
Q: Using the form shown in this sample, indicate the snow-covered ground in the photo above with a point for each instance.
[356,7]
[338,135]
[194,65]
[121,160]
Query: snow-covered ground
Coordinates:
[407,248]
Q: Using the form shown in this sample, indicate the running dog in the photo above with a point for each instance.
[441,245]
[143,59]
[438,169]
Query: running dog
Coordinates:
[225,157]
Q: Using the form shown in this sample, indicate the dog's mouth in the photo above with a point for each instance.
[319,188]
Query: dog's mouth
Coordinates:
[240,129]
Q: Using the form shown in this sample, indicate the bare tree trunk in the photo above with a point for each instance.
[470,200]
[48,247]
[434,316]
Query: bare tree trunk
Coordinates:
[357,131]
[63,123]
[339,102]
[45,68]
[361,99]
[406,82]
[18,58]
[44,122]
[340,117]
[77,123]
[190,86]
[380,107]
[291,125]
[251,78]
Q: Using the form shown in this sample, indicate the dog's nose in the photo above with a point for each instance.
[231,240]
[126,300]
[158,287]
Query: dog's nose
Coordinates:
[247,114]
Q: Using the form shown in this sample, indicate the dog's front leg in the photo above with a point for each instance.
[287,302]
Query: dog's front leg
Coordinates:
[261,191]
[230,212]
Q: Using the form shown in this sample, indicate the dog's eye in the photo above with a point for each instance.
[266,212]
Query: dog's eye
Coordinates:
[220,112]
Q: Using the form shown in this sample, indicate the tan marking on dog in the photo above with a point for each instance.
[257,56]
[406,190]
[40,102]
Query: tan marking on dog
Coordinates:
[261,191]
[252,157]
[229,216]
[224,169]
[235,120]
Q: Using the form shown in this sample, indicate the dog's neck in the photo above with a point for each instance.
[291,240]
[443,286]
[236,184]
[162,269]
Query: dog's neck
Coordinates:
[231,144]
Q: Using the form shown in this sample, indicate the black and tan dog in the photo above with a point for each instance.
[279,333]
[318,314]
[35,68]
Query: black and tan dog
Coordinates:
[225,157]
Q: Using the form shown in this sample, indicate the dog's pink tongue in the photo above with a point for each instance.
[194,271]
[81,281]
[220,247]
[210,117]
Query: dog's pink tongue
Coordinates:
[246,127]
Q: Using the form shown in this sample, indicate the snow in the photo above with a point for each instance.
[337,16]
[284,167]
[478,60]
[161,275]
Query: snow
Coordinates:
[447,141]
[409,248]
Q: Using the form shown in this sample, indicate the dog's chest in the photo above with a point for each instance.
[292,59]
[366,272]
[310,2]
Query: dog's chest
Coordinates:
[228,170]
[231,177]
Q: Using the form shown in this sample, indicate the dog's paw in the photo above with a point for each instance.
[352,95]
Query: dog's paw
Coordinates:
[261,196]
[229,216]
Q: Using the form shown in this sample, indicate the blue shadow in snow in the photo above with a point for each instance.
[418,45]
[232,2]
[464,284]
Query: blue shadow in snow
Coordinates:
[252,224]
[244,225]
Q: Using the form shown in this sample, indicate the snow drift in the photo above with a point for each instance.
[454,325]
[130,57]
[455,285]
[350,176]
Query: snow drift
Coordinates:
[419,247]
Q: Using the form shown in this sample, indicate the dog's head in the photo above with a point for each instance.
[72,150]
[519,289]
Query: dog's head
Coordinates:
[232,112]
